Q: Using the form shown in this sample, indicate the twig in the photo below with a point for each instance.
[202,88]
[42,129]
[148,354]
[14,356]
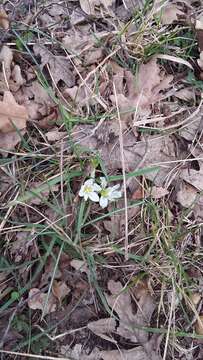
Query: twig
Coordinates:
[123,172]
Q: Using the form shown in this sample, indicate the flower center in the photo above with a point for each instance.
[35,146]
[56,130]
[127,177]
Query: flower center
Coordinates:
[105,192]
[88,189]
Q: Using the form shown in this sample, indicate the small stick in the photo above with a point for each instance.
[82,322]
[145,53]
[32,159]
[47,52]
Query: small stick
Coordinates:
[123,172]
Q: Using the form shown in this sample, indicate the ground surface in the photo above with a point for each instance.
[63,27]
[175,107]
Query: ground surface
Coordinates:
[92,89]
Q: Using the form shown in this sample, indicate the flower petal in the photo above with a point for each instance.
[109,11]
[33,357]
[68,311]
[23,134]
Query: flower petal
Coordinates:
[89,182]
[103,202]
[94,196]
[103,182]
[81,192]
[86,196]
[116,194]
[115,187]
[96,187]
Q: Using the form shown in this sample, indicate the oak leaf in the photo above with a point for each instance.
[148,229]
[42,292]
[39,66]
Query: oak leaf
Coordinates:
[12,115]
[59,66]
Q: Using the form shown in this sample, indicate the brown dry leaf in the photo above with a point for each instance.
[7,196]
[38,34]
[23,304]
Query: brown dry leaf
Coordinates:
[37,300]
[6,181]
[199,325]
[170,13]
[137,353]
[4,20]
[150,151]
[199,31]
[48,272]
[186,94]
[141,91]
[89,6]
[6,57]
[120,302]
[189,132]
[78,41]
[60,290]
[12,115]
[80,265]
[21,245]
[195,298]
[59,66]
[116,225]
[186,195]
[193,177]
[200,60]
[38,198]
[138,194]
[17,76]
[102,326]
[37,101]
[55,135]
[158,192]
[9,141]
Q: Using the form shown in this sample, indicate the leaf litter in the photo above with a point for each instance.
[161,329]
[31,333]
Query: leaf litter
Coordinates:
[88,83]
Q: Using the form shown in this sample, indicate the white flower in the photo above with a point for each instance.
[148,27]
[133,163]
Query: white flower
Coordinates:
[108,193]
[89,190]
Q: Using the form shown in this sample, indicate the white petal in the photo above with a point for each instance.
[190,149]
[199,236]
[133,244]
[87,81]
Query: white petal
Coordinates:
[94,196]
[89,182]
[116,194]
[96,187]
[81,192]
[103,182]
[86,197]
[115,187]
[103,202]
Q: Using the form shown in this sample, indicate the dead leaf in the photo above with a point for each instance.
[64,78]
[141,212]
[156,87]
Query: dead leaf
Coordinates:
[93,56]
[55,135]
[9,141]
[80,265]
[195,298]
[89,6]
[37,300]
[186,94]
[116,224]
[170,13]
[60,67]
[37,200]
[120,302]
[190,130]
[186,195]
[150,151]
[157,192]
[193,177]
[200,60]
[189,197]
[142,90]
[137,353]
[21,245]
[4,20]
[138,193]
[6,57]
[78,41]
[17,76]
[48,272]
[199,325]
[12,115]
[102,327]
[37,101]
[60,290]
